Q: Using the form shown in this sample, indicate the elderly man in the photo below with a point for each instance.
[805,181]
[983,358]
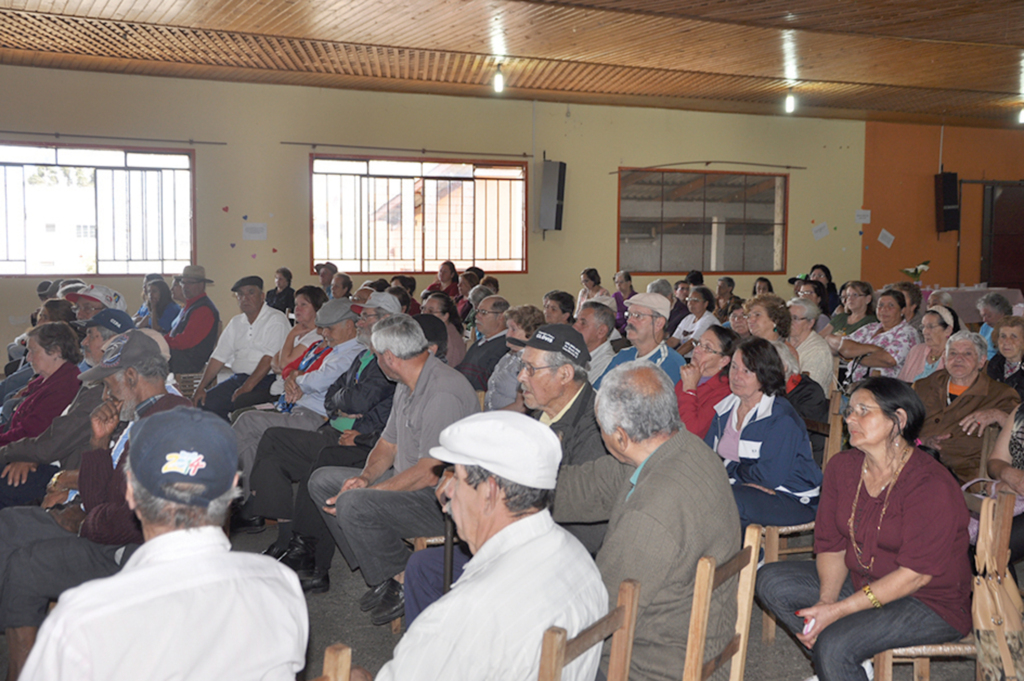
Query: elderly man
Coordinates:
[181,478]
[960,402]
[812,349]
[85,529]
[92,299]
[596,323]
[326,271]
[992,307]
[358,405]
[483,356]
[302,405]
[724,297]
[505,468]
[645,329]
[371,511]
[248,344]
[194,334]
[667,504]
[341,286]
[27,463]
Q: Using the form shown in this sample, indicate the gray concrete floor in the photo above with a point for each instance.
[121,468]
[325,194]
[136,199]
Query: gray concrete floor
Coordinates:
[335,617]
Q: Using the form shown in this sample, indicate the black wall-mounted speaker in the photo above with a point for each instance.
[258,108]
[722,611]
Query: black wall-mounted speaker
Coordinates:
[552,194]
[947,202]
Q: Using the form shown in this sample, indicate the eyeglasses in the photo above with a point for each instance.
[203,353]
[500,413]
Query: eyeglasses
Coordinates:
[704,347]
[858,410]
[531,370]
[806,294]
[486,312]
[853,294]
[369,316]
[696,300]
[632,315]
[799,319]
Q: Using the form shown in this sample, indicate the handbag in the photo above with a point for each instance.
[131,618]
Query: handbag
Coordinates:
[974,503]
[997,609]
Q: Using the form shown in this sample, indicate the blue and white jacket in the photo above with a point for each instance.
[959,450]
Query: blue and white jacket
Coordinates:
[774,450]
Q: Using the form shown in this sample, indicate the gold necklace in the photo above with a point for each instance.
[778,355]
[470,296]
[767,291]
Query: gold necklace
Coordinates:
[885,506]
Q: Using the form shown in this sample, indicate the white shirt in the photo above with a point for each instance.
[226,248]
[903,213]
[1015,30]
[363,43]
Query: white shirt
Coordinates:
[600,358]
[692,328]
[530,576]
[816,360]
[242,345]
[315,384]
[183,607]
[307,340]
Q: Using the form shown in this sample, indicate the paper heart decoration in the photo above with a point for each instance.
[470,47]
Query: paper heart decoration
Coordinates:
[253,256]
[274,250]
[225,209]
[245,217]
[232,245]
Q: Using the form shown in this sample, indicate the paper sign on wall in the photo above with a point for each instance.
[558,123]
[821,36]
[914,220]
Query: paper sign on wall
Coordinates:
[886,238]
[254,231]
[820,231]
[862,217]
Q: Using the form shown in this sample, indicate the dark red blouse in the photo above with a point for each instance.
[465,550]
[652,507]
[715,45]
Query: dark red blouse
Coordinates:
[44,401]
[924,530]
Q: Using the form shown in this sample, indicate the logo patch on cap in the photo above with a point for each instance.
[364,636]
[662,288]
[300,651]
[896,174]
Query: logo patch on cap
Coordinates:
[544,336]
[112,355]
[184,463]
[570,349]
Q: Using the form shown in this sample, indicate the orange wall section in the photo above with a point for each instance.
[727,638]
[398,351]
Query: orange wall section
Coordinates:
[899,189]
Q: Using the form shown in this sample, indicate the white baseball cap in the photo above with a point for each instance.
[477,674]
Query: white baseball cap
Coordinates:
[510,445]
[101,294]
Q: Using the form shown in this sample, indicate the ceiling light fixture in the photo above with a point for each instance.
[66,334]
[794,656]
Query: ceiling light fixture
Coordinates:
[790,102]
[499,80]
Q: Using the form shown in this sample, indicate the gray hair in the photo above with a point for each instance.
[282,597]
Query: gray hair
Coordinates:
[944,298]
[518,498]
[728,281]
[979,342]
[638,397]
[478,293]
[661,286]
[789,362]
[809,309]
[996,302]
[603,314]
[556,360]
[499,304]
[400,335]
[180,515]
[105,332]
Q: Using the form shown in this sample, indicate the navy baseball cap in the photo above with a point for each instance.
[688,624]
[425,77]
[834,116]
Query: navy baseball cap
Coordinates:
[117,321]
[184,445]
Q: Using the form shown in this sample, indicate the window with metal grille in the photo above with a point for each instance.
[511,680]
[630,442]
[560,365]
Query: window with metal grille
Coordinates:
[75,210]
[674,221]
[383,215]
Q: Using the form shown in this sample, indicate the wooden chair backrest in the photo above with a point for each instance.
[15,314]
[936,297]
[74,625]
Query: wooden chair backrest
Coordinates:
[708,579]
[337,663]
[988,444]
[832,429]
[620,624]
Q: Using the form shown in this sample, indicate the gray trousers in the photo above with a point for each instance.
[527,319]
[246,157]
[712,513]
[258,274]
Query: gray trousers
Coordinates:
[251,425]
[371,524]
[40,560]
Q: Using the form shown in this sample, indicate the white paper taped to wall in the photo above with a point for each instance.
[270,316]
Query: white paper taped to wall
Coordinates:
[886,238]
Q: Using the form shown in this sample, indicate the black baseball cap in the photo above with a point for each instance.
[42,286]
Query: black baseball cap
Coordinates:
[561,338]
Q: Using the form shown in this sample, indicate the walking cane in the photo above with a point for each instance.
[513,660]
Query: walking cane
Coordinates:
[449,548]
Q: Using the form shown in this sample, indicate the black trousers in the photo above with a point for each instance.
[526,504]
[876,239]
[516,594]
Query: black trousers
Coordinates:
[289,455]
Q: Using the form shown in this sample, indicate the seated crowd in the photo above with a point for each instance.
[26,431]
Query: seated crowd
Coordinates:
[576,443]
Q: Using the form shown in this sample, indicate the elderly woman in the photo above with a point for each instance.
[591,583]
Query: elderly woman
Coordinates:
[768,317]
[814,291]
[591,281]
[1006,366]
[53,353]
[992,307]
[924,359]
[447,280]
[701,304]
[890,540]
[738,320]
[883,345]
[558,308]
[764,442]
[704,382]
[859,310]
[503,385]
[308,301]
[441,306]
[811,349]
[960,402]
[282,296]
[913,312]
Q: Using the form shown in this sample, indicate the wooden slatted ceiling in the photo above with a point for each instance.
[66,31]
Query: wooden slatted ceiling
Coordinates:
[660,53]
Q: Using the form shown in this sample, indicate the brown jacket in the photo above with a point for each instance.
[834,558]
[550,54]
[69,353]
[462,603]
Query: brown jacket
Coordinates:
[682,508]
[961,452]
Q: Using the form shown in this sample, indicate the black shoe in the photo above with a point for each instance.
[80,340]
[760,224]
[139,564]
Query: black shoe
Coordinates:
[275,551]
[371,599]
[316,582]
[252,524]
[300,555]
[391,606]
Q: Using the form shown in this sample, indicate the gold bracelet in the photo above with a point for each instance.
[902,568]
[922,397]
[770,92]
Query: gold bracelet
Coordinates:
[871,596]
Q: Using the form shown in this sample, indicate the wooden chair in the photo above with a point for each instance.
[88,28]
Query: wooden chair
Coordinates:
[187,383]
[620,624]
[775,537]
[921,656]
[708,579]
[337,663]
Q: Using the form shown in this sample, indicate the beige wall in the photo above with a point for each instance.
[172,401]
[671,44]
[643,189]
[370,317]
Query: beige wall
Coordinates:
[256,176]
